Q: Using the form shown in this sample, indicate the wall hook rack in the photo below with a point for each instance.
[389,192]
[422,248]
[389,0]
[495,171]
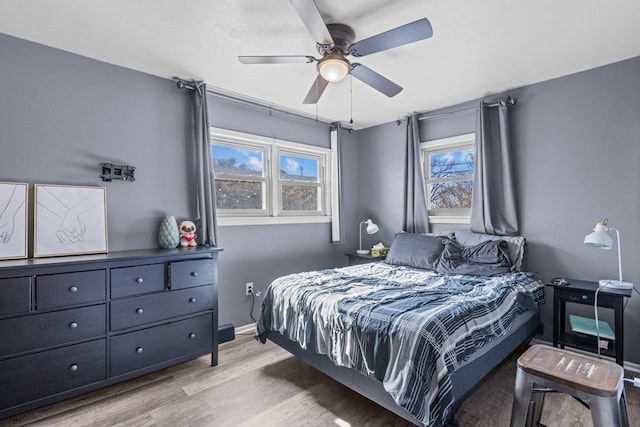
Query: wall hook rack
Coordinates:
[111,172]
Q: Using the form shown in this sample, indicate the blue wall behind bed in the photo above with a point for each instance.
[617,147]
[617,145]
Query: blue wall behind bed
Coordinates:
[576,155]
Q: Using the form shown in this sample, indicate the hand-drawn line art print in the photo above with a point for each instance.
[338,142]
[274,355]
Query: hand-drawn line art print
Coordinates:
[70,220]
[13,220]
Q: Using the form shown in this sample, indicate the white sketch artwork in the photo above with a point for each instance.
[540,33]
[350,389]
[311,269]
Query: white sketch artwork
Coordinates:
[13,220]
[70,220]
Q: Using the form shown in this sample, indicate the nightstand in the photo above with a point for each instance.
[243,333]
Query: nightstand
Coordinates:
[584,292]
[356,258]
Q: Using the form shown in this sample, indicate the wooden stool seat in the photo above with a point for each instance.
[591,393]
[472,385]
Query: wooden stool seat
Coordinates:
[598,383]
[587,374]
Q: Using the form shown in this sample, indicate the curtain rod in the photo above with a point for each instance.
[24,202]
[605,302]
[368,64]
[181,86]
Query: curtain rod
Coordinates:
[510,101]
[182,84]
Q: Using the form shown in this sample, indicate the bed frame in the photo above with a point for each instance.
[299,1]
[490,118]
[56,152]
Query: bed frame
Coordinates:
[464,381]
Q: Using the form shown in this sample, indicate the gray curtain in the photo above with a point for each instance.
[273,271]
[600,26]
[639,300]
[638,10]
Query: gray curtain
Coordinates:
[337,236]
[416,218]
[493,206]
[206,220]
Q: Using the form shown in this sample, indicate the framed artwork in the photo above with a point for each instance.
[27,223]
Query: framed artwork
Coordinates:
[69,220]
[13,220]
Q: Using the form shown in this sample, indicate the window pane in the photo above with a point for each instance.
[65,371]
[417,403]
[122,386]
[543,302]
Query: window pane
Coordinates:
[450,195]
[451,164]
[299,198]
[237,161]
[239,194]
[298,168]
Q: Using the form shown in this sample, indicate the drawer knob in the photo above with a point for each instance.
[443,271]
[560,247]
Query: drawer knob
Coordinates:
[139,280]
[194,273]
[139,310]
[73,325]
[139,350]
[192,300]
[585,297]
[73,289]
[192,335]
[73,367]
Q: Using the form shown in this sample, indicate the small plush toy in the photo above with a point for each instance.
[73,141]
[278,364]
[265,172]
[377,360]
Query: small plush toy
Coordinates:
[187,234]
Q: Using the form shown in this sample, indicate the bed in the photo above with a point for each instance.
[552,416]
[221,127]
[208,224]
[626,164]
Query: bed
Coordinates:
[417,333]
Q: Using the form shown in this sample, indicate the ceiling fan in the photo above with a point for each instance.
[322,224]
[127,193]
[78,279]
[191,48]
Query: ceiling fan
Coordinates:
[336,41]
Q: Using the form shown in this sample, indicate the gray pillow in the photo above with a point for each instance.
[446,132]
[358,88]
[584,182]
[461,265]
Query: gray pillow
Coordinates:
[488,258]
[415,250]
[467,238]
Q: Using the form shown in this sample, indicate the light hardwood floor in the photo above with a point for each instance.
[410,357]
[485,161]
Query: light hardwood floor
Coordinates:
[263,385]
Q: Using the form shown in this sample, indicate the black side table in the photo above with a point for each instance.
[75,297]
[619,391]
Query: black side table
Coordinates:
[356,258]
[584,292]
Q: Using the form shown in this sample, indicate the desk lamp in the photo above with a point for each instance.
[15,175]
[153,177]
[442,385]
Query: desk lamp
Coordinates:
[372,228]
[600,239]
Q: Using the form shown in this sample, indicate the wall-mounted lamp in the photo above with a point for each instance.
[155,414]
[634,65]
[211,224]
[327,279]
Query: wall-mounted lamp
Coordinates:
[600,239]
[372,228]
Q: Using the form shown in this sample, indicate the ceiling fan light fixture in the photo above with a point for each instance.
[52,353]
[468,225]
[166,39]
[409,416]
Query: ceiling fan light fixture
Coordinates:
[333,69]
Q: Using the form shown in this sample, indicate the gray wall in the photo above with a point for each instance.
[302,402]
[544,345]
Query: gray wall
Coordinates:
[262,253]
[576,155]
[62,114]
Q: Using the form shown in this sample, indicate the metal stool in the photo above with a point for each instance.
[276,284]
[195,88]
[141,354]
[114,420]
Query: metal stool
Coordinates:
[596,382]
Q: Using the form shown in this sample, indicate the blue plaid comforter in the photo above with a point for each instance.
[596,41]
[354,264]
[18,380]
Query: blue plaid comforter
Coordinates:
[407,328]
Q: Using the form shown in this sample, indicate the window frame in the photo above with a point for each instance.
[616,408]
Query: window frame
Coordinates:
[443,145]
[273,212]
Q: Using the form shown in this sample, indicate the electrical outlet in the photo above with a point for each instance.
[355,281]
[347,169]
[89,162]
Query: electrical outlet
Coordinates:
[248,290]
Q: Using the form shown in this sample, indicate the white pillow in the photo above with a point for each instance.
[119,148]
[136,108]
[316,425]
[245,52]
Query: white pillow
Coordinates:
[467,238]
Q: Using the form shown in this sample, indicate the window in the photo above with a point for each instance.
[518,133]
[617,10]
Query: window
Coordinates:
[241,183]
[300,186]
[448,170]
[262,180]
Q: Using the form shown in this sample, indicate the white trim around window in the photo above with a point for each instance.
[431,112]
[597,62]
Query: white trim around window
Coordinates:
[444,145]
[270,208]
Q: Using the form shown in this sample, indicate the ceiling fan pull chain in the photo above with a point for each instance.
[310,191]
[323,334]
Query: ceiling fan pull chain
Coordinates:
[351,96]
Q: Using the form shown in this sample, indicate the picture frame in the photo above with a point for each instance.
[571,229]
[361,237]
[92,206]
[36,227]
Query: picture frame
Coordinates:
[14,220]
[69,220]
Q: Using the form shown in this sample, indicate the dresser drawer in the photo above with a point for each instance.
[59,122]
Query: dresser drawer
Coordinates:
[15,295]
[141,279]
[42,374]
[185,274]
[137,350]
[48,329]
[59,290]
[136,311]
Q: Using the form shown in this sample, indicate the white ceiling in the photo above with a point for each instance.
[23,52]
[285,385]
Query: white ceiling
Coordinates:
[479,47]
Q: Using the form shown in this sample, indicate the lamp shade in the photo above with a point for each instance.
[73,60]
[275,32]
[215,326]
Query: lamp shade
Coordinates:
[333,69]
[372,227]
[599,238]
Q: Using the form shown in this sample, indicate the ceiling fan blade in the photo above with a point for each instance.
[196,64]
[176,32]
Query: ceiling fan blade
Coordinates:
[375,80]
[284,59]
[311,17]
[408,33]
[318,87]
